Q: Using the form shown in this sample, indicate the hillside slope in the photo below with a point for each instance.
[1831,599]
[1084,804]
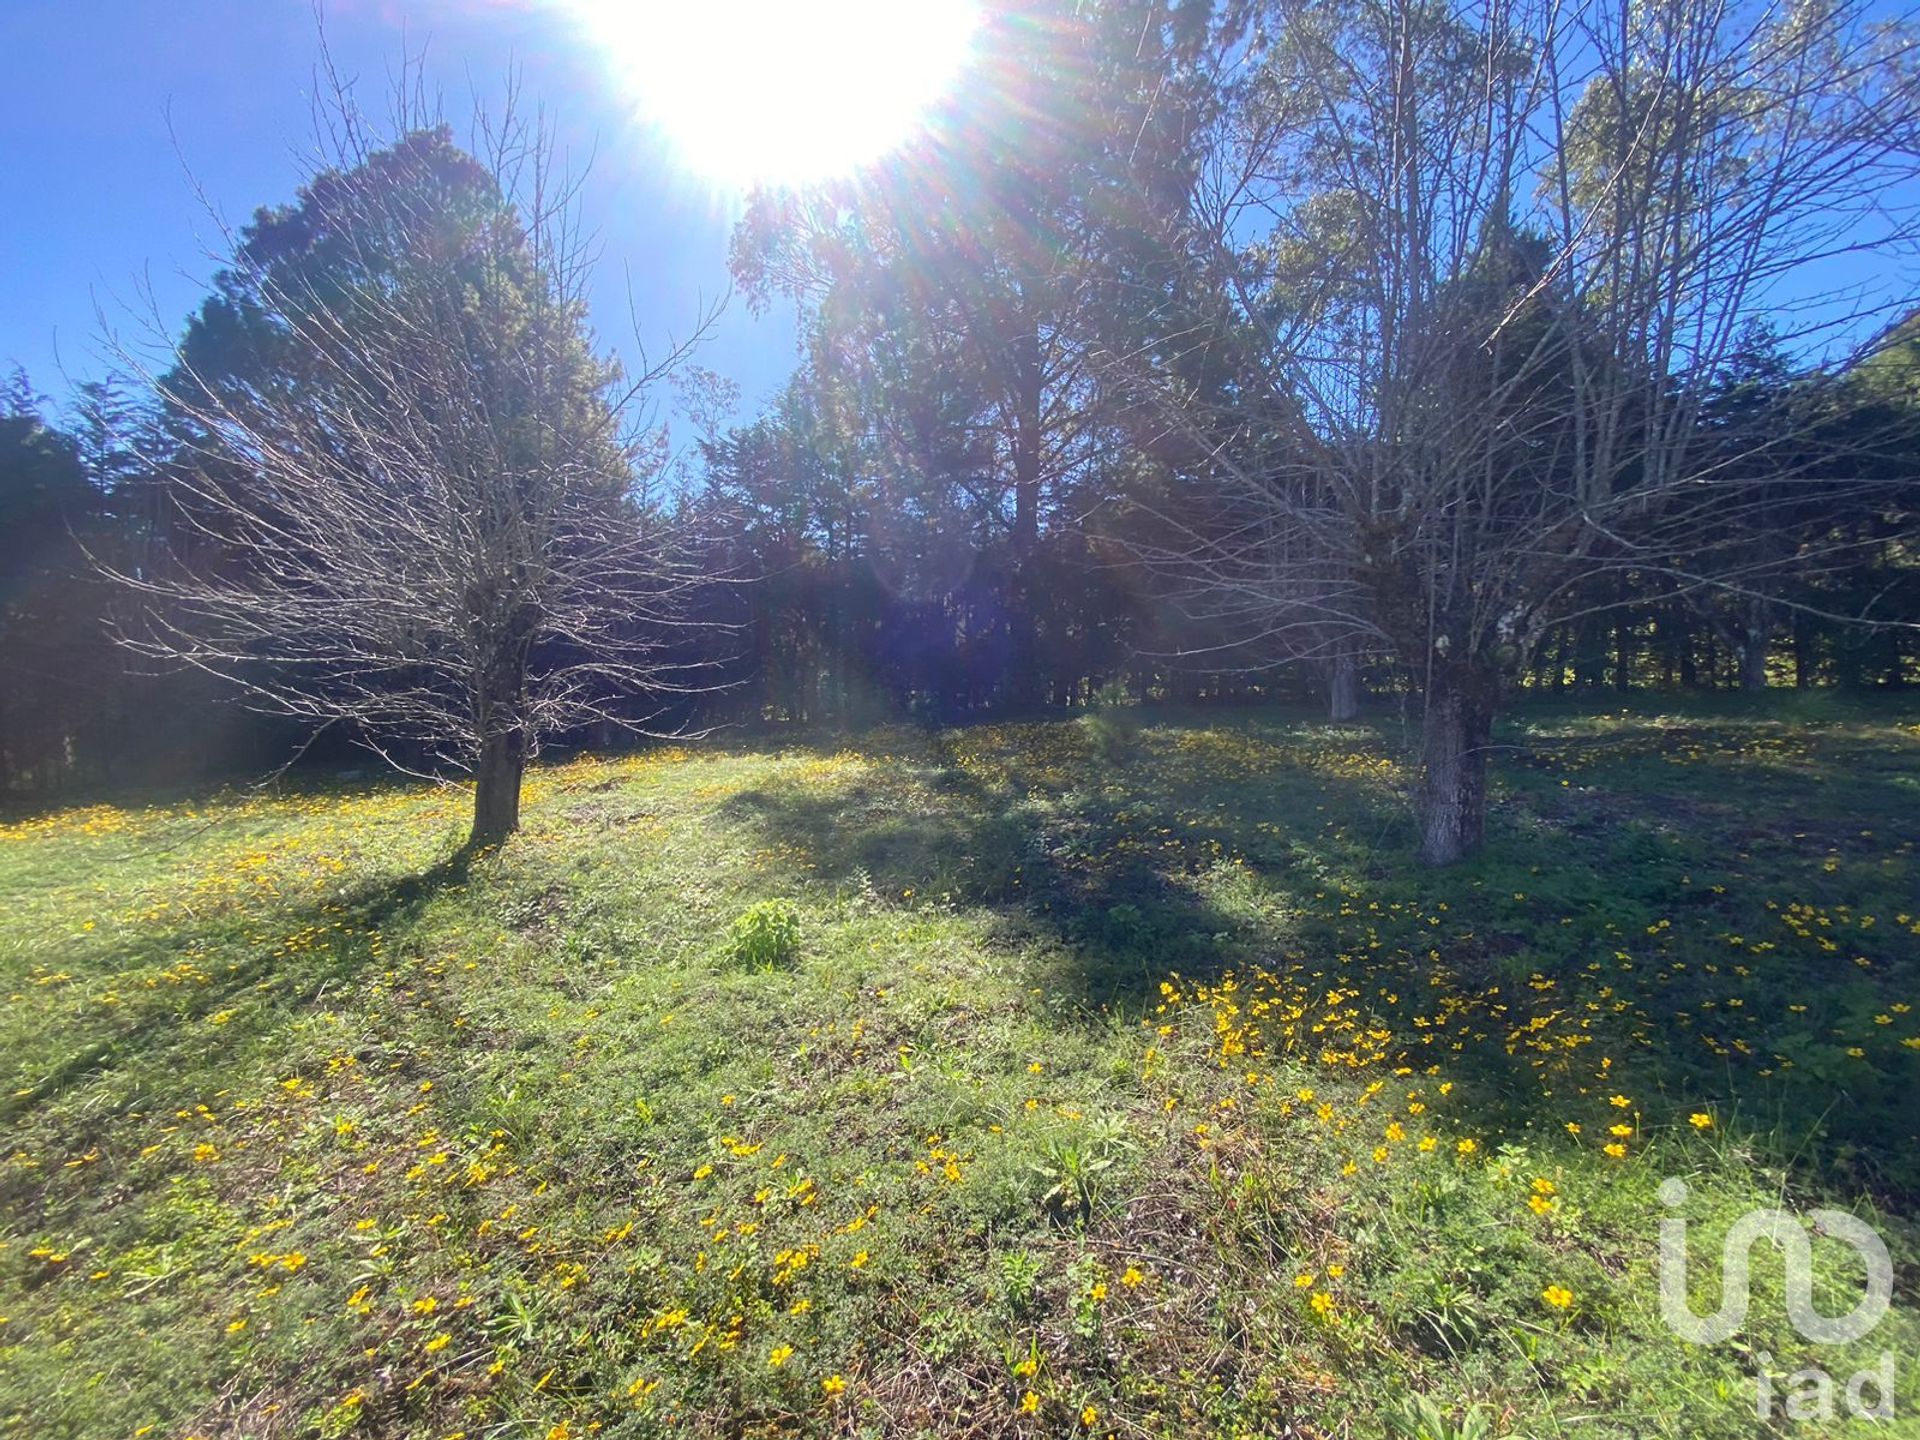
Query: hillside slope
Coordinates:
[1095,1077]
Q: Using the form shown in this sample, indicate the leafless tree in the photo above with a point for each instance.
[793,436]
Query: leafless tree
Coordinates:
[407,494]
[1480,266]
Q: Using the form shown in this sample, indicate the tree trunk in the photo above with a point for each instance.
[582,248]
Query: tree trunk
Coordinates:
[1590,654]
[1344,688]
[496,792]
[1023,656]
[1453,783]
[1754,647]
[499,717]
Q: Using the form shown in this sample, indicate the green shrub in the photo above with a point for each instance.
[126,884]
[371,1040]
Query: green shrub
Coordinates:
[1418,1418]
[1111,726]
[766,935]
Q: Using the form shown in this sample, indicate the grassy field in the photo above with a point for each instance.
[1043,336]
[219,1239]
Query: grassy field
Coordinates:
[1117,1077]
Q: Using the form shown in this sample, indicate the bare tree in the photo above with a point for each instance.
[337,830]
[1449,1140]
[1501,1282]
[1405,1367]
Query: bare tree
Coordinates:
[407,494]
[1479,266]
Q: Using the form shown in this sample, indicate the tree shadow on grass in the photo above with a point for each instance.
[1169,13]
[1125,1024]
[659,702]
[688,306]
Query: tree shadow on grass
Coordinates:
[299,980]
[1755,870]
[1095,859]
[1113,928]
[1551,941]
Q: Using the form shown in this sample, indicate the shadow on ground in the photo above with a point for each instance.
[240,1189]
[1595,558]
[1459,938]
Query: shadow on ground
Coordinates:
[1585,951]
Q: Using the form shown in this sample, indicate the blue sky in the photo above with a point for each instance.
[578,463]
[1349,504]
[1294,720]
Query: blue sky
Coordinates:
[111,111]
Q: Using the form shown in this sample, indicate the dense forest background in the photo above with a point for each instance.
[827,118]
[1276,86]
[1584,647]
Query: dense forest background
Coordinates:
[961,505]
[868,602]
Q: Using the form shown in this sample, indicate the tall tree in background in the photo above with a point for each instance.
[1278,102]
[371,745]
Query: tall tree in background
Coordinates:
[49,651]
[403,493]
[1201,347]
[76,709]
[1482,267]
[949,288]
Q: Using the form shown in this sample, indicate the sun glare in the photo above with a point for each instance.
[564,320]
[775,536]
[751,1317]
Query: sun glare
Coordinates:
[781,92]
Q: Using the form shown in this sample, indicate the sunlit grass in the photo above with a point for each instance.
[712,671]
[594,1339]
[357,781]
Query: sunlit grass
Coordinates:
[1124,1078]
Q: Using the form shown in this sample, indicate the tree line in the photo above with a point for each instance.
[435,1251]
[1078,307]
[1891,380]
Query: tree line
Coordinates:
[1199,351]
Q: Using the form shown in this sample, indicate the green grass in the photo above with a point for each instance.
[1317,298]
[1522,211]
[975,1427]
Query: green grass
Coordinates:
[1070,1078]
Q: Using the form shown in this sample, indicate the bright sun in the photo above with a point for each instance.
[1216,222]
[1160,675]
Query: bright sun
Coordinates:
[781,92]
